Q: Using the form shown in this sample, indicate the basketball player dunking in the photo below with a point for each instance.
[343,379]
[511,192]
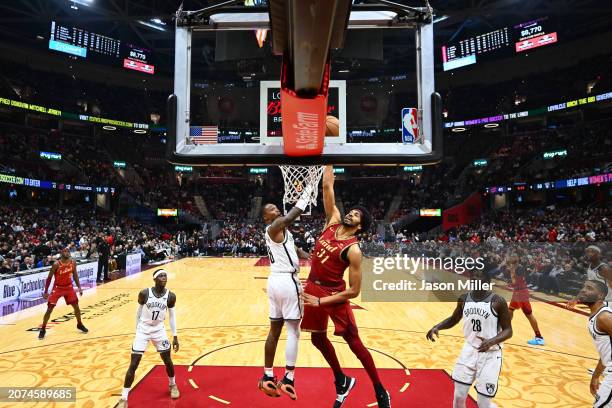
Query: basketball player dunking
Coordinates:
[520,298]
[153,303]
[326,295]
[486,325]
[593,294]
[64,270]
[284,289]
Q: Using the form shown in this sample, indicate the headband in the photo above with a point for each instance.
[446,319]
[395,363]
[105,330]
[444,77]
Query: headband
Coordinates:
[159,272]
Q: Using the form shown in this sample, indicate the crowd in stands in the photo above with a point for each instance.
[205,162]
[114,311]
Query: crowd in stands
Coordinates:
[33,237]
[551,243]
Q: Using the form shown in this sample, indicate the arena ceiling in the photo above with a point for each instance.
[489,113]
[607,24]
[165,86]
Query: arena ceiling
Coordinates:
[149,23]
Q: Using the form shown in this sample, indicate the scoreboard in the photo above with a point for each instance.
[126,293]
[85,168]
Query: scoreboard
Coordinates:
[97,47]
[521,37]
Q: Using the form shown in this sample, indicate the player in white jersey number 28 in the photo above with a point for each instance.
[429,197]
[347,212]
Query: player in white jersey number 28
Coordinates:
[486,325]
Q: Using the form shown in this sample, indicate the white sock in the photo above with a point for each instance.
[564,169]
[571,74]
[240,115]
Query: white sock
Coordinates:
[172,380]
[293,338]
[290,374]
[269,371]
[124,393]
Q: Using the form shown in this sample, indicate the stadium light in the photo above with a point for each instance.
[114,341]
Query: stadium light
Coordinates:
[458,129]
[151,25]
[81,2]
[491,125]
[140,131]
[109,127]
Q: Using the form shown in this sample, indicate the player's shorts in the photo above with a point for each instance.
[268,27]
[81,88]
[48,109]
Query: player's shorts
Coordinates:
[524,306]
[603,398]
[316,318]
[482,367]
[284,291]
[67,292]
[158,337]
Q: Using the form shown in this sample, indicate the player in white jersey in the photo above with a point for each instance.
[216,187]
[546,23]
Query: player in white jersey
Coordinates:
[593,294]
[486,325]
[598,270]
[153,304]
[284,289]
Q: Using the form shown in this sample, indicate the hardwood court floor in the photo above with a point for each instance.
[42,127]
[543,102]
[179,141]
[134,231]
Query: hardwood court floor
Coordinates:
[221,302]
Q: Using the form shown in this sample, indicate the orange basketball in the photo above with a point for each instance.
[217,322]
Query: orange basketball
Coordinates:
[332,126]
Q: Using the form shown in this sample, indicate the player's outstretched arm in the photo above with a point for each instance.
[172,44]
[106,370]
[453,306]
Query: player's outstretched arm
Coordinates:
[172,319]
[449,321]
[505,322]
[277,227]
[332,214]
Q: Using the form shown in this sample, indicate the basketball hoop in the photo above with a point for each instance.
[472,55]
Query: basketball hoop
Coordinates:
[296,178]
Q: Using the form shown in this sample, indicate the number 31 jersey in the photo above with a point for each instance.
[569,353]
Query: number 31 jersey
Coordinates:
[480,321]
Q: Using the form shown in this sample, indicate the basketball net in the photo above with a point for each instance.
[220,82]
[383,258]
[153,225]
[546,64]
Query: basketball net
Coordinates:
[296,178]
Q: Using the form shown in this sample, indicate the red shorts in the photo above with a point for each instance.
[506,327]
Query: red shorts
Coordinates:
[316,318]
[524,306]
[66,292]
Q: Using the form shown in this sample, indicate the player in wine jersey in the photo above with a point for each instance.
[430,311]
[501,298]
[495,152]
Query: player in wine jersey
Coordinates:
[63,271]
[486,325]
[520,298]
[326,295]
[593,294]
[284,289]
[153,304]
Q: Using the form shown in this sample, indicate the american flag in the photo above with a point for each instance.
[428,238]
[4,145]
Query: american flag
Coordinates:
[203,134]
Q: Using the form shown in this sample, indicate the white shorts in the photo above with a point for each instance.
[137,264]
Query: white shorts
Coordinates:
[603,399]
[284,291]
[158,337]
[484,368]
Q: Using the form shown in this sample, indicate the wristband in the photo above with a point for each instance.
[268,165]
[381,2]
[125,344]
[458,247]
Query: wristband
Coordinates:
[319,301]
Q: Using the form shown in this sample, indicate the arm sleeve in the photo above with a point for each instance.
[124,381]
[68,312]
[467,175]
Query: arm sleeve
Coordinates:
[172,318]
[138,313]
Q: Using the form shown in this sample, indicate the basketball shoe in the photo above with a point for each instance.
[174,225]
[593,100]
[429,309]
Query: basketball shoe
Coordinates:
[288,387]
[174,392]
[343,389]
[268,386]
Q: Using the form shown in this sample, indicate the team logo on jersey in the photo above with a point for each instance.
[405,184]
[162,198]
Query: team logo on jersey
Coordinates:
[490,388]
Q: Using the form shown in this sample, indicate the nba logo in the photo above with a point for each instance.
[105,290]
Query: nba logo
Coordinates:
[410,125]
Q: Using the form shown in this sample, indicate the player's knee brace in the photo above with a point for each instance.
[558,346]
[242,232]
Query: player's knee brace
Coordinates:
[293,329]
[293,337]
[461,393]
